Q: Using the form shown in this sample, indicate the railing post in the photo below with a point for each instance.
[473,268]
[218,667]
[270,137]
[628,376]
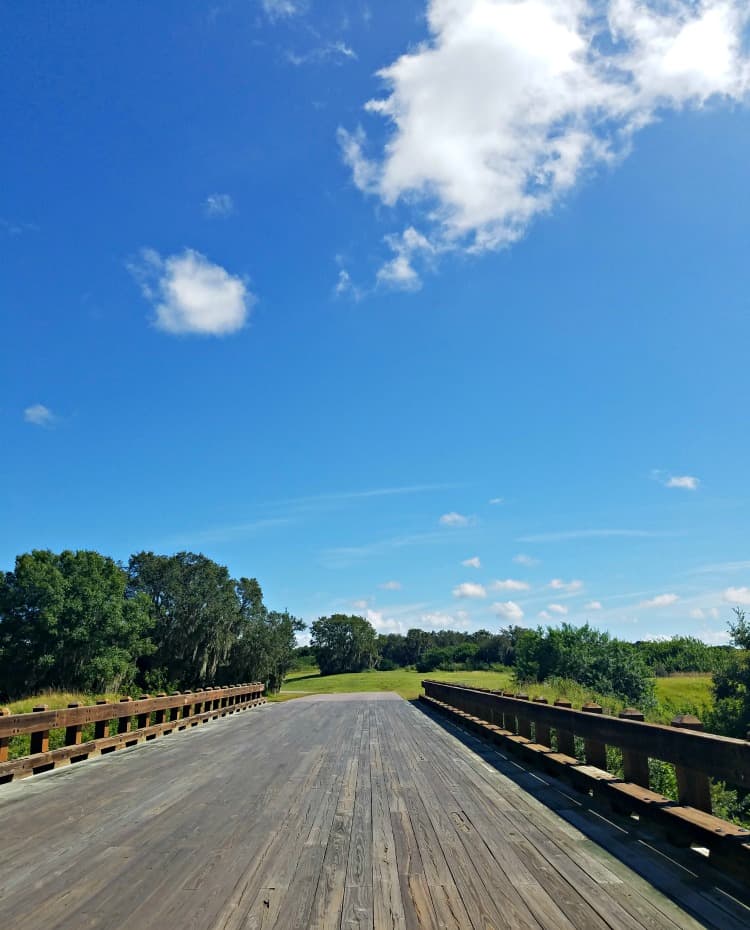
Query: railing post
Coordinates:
[693,788]
[123,723]
[509,717]
[40,739]
[144,719]
[73,733]
[4,740]
[596,751]
[634,764]
[187,710]
[160,715]
[541,730]
[565,741]
[101,727]
[174,712]
[524,724]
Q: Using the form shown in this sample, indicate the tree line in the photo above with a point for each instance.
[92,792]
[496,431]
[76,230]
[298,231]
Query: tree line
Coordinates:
[81,621]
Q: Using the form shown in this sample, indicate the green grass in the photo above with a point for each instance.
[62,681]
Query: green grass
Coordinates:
[678,695]
[405,682]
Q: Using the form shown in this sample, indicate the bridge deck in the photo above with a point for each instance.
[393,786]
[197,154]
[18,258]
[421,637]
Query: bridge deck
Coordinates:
[356,812]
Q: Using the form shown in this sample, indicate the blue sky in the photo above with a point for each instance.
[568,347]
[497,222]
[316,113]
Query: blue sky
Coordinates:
[348,295]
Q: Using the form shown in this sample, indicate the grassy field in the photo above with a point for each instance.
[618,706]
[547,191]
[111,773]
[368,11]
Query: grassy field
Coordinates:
[681,694]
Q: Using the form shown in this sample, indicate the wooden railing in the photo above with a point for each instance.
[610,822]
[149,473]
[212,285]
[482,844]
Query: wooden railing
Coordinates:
[546,735]
[122,723]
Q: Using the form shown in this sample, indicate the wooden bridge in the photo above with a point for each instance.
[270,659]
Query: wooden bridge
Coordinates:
[350,811]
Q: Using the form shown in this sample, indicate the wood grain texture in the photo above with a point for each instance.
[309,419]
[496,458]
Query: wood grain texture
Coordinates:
[327,813]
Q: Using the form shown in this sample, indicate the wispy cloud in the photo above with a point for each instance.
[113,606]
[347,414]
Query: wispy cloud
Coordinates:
[455,519]
[470,589]
[474,562]
[495,501]
[342,496]
[565,535]
[192,295]
[282,9]
[569,587]
[686,482]
[344,556]
[509,584]
[527,560]
[593,605]
[661,600]
[558,609]
[227,533]
[336,52]
[39,415]
[216,205]
[391,586]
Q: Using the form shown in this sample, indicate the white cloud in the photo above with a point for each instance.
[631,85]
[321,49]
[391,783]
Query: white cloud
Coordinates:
[360,605]
[593,605]
[443,621]
[558,609]
[715,637]
[509,104]
[527,560]
[469,589]
[544,615]
[570,587]
[337,52]
[661,600]
[218,205]
[497,500]
[474,562]
[39,415]
[279,9]
[454,519]
[737,596]
[508,610]
[686,482]
[510,584]
[345,286]
[391,586]
[398,272]
[192,295]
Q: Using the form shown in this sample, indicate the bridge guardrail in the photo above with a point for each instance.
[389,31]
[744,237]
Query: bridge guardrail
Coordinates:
[545,734]
[153,716]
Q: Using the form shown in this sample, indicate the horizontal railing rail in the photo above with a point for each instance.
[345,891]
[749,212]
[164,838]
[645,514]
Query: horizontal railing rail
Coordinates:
[152,716]
[573,743]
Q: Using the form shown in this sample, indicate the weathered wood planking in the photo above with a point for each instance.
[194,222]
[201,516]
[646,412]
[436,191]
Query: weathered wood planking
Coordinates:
[357,811]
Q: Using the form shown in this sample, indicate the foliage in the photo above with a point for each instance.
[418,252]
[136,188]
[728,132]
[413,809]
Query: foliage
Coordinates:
[79,621]
[65,622]
[585,655]
[682,654]
[731,715]
[343,643]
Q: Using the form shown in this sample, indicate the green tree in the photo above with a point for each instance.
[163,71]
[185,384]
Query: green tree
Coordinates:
[731,713]
[194,605]
[65,622]
[343,643]
[266,644]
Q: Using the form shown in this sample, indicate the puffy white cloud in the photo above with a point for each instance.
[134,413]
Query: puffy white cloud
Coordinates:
[715,637]
[474,562]
[192,295]
[558,609]
[593,605]
[510,103]
[454,519]
[737,596]
[39,415]
[661,600]
[570,587]
[527,560]
[686,482]
[508,610]
[218,205]
[469,589]
[510,584]
[391,586]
